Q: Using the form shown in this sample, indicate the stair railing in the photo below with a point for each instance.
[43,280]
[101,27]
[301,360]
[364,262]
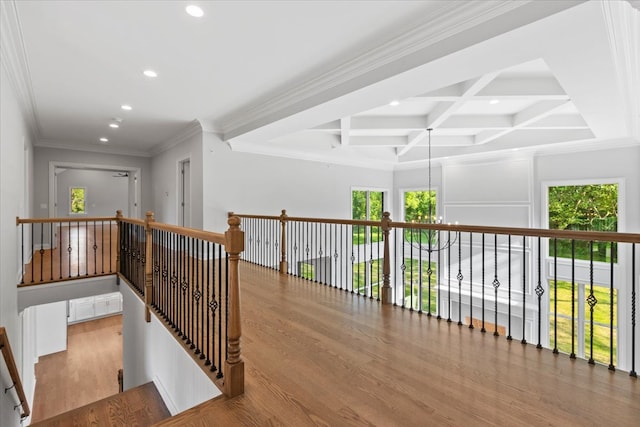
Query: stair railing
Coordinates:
[16,385]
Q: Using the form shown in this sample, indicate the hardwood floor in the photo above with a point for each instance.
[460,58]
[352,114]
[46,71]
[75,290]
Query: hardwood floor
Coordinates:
[86,372]
[140,406]
[315,355]
[81,251]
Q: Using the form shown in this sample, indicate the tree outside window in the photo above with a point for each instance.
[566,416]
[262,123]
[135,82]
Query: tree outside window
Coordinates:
[78,205]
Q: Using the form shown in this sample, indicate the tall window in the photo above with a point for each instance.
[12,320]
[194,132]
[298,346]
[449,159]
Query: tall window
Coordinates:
[419,286]
[367,275]
[77,200]
[591,207]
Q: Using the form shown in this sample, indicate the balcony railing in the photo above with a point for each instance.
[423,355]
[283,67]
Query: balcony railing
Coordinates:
[570,291]
[188,277]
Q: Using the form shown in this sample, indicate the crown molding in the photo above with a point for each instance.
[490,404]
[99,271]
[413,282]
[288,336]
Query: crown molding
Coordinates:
[14,60]
[104,149]
[450,19]
[193,128]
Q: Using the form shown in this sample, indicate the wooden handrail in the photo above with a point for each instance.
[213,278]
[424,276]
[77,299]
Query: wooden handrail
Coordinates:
[64,219]
[208,236]
[133,221]
[601,236]
[13,371]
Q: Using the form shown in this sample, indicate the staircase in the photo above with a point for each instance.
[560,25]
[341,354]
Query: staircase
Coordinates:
[139,406]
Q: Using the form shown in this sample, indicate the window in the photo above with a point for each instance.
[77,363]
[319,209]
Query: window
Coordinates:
[592,207]
[419,275]
[77,200]
[367,275]
[584,207]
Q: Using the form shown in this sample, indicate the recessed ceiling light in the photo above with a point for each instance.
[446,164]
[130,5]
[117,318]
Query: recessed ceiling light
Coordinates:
[104,139]
[114,125]
[194,11]
[394,103]
[150,73]
[126,107]
[494,101]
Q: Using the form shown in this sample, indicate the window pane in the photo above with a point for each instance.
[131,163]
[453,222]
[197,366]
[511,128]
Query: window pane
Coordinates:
[359,204]
[584,207]
[77,200]
[418,205]
[375,206]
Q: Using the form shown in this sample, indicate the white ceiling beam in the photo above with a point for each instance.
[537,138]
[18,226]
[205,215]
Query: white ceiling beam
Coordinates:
[345,128]
[522,119]
[332,125]
[412,140]
[524,87]
[378,141]
[477,121]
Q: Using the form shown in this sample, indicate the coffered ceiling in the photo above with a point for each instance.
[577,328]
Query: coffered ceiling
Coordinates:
[315,79]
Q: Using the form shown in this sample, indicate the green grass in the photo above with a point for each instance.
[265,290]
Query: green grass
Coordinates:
[601,319]
[601,250]
[362,234]
[368,271]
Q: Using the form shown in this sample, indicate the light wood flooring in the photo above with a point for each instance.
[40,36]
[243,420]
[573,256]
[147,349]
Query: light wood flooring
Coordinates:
[74,255]
[86,372]
[315,355]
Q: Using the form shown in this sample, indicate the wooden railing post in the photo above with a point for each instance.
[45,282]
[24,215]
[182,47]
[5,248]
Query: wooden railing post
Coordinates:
[234,365]
[387,293]
[148,267]
[283,243]
[118,240]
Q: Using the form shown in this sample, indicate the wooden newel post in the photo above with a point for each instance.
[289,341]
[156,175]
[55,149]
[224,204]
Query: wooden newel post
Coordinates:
[148,268]
[387,294]
[234,365]
[283,243]
[119,239]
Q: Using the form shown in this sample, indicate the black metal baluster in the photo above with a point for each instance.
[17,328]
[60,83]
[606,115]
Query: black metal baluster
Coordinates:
[612,366]
[380,237]
[411,262]
[403,268]
[539,292]
[509,289]
[31,255]
[573,299]
[555,295]
[459,277]
[226,297]
[50,252]
[592,301]
[470,280]
[68,250]
[95,250]
[194,281]
[448,276]
[206,347]
[632,372]
[420,271]
[203,271]
[22,268]
[524,288]
[439,272]
[78,247]
[110,249]
[41,251]
[429,271]
[102,245]
[496,284]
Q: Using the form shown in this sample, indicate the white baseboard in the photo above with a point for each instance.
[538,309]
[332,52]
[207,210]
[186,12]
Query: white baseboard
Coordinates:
[166,397]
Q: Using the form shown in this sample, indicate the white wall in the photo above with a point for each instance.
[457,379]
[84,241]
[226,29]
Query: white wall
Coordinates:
[256,184]
[15,155]
[152,353]
[43,156]
[166,179]
[51,328]
[105,193]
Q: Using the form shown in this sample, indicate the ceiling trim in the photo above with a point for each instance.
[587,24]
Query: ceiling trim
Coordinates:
[14,60]
[105,149]
[193,128]
[397,55]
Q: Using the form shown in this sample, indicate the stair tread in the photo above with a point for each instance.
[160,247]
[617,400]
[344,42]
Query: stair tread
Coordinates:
[139,406]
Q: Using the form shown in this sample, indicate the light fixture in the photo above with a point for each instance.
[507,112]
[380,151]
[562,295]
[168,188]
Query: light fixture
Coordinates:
[126,107]
[114,125]
[104,139]
[436,242]
[194,11]
[150,73]
[394,103]
[494,101]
